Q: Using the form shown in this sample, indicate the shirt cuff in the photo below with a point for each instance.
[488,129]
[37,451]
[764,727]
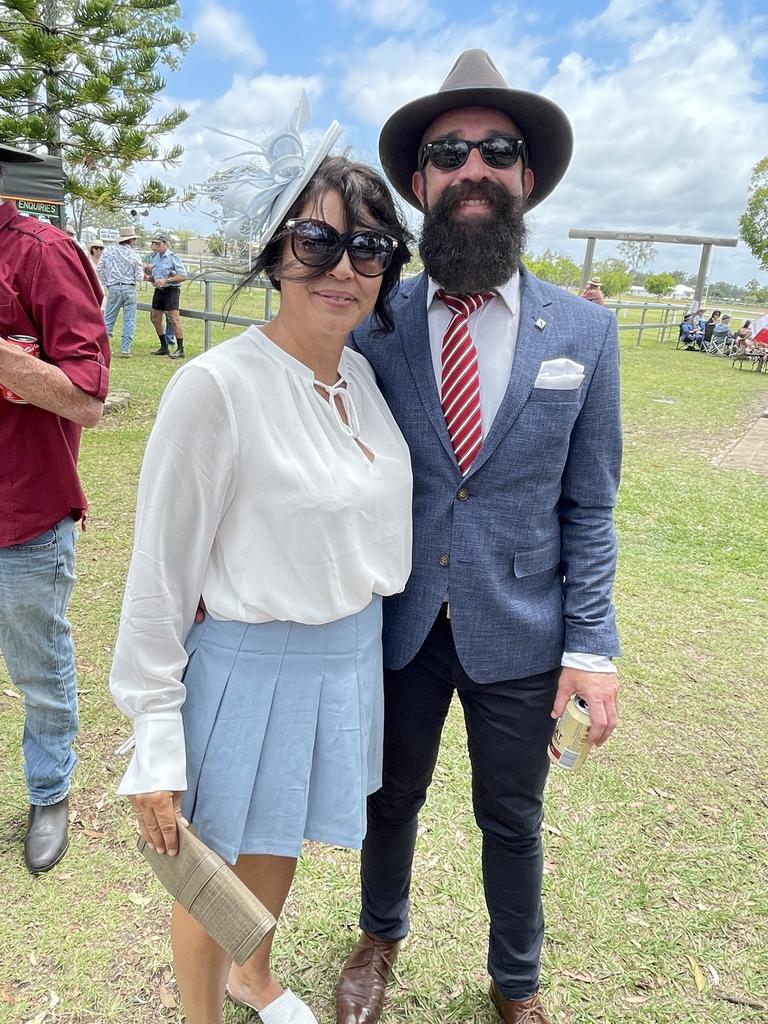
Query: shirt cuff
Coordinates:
[587,662]
[90,375]
[159,759]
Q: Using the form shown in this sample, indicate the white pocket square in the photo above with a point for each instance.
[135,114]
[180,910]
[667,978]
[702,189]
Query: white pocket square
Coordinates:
[560,375]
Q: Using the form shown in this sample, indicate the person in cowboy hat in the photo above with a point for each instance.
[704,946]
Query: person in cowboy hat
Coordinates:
[120,270]
[594,291]
[507,391]
[49,306]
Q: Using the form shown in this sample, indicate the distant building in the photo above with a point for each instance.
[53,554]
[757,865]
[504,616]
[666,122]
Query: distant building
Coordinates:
[637,289]
[197,246]
[682,291]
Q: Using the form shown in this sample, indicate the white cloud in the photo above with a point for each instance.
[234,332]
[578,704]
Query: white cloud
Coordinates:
[662,144]
[398,70]
[225,31]
[623,19]
[398,15]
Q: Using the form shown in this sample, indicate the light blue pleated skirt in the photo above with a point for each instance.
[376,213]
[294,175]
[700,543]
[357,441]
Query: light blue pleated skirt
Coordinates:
[283,725]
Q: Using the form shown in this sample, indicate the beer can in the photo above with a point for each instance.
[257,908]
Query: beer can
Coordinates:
[568,748]
[27,344]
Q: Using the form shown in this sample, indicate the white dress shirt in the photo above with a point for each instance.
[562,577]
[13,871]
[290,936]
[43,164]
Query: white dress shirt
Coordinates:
[256,494]
[494,329]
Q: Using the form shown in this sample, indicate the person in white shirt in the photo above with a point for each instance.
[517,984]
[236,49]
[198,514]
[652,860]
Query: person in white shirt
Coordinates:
[291,484]
[120,270]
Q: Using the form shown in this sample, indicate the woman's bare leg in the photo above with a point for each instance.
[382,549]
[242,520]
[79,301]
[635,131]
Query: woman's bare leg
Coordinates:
[201,967]
[270,879]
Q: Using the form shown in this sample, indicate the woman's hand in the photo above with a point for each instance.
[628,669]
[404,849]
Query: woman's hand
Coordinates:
[159,815]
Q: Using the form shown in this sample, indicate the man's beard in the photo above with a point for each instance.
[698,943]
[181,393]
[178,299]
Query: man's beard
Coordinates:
[466,254]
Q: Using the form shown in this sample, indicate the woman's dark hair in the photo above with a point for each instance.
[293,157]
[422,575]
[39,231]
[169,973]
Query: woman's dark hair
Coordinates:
[367,201]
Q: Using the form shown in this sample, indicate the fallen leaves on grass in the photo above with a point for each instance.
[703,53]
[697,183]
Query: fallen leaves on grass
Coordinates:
[138,900]
[698,974]
[38,1018]
[166,997]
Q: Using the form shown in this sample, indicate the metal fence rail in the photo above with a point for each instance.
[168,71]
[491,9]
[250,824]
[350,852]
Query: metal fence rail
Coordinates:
[669,314]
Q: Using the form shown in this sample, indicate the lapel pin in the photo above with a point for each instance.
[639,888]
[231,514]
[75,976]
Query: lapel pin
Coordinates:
[541,324]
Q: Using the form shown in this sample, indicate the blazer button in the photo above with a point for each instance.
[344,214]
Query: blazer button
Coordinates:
[463,493]
[444,560]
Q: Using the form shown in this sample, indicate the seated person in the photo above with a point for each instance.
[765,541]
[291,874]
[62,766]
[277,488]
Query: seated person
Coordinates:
[722,333]
[744,337]
[709,326]
[690,336]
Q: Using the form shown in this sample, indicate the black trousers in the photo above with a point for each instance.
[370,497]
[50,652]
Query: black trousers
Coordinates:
[508,730]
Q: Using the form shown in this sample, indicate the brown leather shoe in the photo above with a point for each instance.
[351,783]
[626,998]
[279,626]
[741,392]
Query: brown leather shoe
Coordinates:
[518,1011]
[363,983]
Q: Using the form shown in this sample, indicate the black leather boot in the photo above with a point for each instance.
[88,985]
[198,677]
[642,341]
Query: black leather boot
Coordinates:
[179,353]
[47,836]
[163,350]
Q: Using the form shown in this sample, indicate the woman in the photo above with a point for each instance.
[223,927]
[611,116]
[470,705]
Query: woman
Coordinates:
[743,337]
[95,251]
[291,491]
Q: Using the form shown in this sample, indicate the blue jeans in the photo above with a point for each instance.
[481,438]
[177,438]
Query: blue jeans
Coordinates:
[36,580]
[121,296]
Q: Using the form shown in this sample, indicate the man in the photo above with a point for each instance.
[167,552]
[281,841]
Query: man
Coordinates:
[120,271]
[515,476]
[167,272]
[48,292]
[594,291]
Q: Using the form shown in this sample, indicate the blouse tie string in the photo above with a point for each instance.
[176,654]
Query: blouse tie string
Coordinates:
[352,425]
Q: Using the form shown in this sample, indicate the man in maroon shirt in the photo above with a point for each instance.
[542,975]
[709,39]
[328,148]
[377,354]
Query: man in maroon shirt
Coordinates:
[49,294]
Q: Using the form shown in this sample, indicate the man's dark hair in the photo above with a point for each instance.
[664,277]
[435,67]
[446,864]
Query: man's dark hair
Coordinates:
[366,201]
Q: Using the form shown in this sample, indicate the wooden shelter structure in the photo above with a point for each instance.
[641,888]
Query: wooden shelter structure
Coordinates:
[704,241]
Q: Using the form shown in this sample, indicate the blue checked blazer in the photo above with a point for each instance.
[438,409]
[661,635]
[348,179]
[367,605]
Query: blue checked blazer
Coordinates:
[525,543]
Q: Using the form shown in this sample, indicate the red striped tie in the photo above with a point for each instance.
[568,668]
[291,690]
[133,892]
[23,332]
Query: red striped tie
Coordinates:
[460,382]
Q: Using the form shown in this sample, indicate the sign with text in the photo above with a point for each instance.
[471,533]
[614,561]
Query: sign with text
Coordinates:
[39,208]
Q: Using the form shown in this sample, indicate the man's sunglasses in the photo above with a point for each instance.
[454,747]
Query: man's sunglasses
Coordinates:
[449,154]
[317,244]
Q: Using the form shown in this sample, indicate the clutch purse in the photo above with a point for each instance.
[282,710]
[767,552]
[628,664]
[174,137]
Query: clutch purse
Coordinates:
[213,894]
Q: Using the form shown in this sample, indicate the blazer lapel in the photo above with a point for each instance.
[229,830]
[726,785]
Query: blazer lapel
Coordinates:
[414,337]
[525,366]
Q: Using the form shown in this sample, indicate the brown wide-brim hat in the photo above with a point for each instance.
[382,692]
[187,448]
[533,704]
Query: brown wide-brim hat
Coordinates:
[475,81]
[12,155]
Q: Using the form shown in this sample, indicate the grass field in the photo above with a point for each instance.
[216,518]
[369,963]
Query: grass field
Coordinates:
[656,863]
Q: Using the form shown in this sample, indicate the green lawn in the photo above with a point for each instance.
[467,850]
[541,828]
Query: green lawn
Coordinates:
[656,863]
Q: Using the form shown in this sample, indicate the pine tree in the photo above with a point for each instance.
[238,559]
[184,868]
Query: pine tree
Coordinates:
[80,78]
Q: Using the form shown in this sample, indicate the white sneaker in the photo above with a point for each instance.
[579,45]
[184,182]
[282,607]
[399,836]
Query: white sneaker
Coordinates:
[286,1009]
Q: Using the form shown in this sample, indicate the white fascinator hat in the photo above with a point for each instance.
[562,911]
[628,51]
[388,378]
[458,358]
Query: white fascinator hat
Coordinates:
[256,193]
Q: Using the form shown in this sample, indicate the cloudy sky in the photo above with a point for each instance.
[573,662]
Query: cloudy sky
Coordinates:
[668,98]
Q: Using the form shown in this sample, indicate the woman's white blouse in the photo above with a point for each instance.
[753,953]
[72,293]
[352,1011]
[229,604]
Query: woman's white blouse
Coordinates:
[257,495]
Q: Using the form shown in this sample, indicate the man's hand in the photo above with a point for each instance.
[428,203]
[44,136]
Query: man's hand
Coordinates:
[159,815]
[160,282]
[600,690]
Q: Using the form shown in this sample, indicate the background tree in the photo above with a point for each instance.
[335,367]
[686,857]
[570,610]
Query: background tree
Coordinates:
[659,284]
[753,224]
[637,255]
[555,268]
[615,277]
[80,78]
